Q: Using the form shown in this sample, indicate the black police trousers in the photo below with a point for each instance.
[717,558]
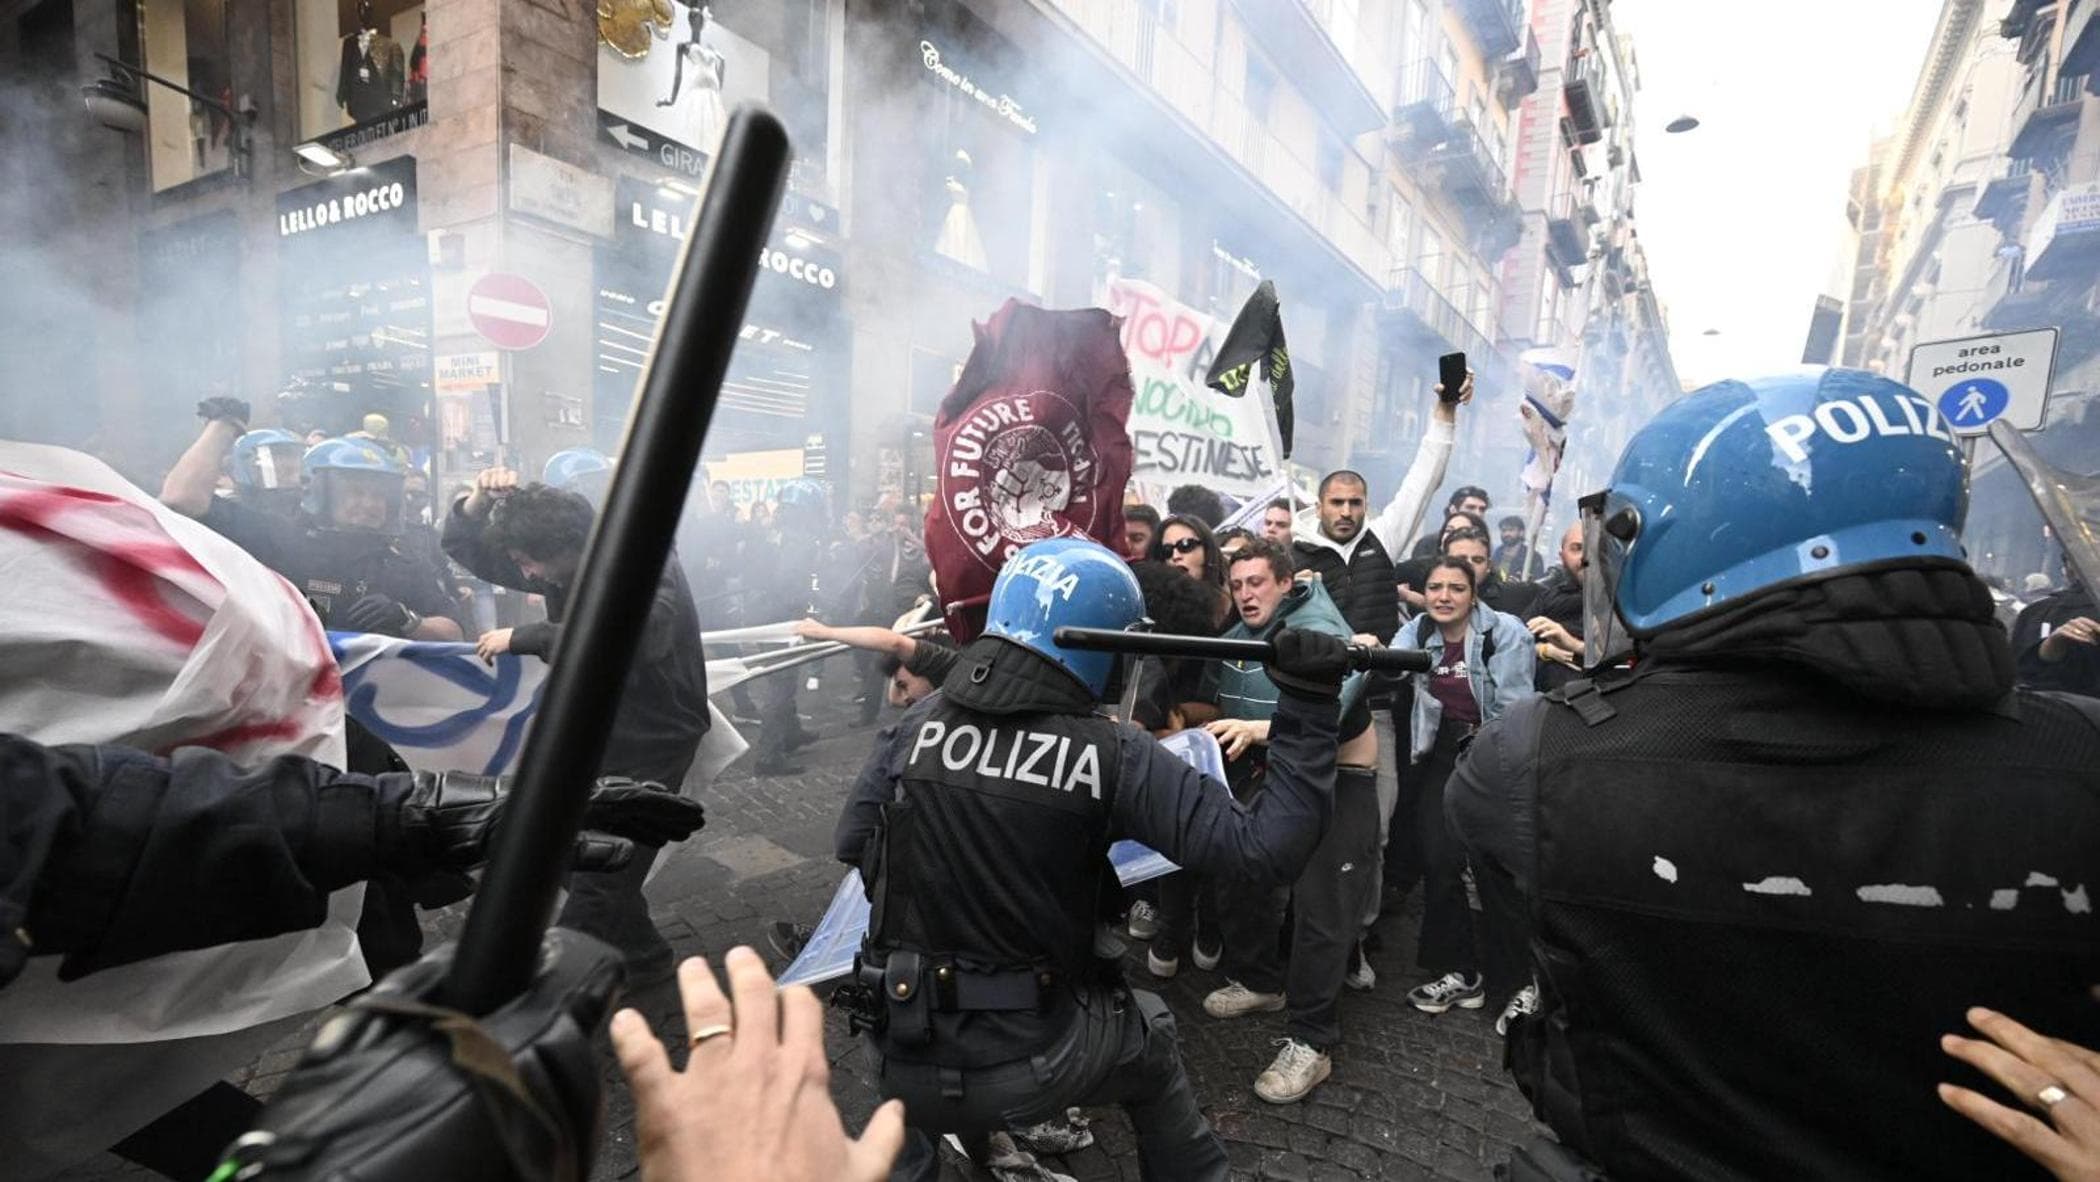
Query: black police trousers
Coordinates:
[1119,1049]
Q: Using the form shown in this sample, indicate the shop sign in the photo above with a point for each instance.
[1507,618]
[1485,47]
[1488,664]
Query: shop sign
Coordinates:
[559,192]
[997,103]
[794,254]
[465,372]
[1181,430]
[383,192]
[756,475]
[660,105]
[373,130]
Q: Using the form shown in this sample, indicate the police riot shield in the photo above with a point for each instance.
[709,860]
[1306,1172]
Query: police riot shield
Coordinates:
[1604,638]
[2069,501]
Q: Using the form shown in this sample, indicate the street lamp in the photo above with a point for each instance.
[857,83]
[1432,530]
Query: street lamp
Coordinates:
[115,103]
[1681,124]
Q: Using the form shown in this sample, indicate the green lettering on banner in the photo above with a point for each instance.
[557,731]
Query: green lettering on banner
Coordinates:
[1170,400]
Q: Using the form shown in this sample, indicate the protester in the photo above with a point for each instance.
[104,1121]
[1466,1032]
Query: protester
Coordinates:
[1503,595]
[1231,541]
[1277,520]
[979,970]
[1469,498]
[1140,529]
[1186,542]
[1817,791]
[343,551]
[1199,502]
[1482,665]
[1412,572]
[1556,619]
[786,573]
[754,1098]
[2056,642]
[913,666]
[531,538]
[1514,558]
[1329,894]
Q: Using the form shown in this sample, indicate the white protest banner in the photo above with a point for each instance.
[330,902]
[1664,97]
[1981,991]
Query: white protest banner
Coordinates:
[1184,432]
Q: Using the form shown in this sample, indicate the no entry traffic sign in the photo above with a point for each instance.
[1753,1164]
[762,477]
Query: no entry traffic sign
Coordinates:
[1976,381]
[510,311]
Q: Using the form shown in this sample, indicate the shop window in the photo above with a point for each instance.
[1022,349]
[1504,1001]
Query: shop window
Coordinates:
[979,191]
[184,41]
[359,62]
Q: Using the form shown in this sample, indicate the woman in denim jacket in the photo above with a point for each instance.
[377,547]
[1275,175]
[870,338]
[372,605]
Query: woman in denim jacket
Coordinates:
[1481,663]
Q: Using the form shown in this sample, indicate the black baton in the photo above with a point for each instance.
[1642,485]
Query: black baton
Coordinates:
[1211,648]
[621,565]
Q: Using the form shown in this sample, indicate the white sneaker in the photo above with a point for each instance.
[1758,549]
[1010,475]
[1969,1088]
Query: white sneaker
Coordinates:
[1451,989]
[1523,1004]
[1207,959]
[1161,967]
[1069,1134]
[1235,1000]
[1360,975]
[1144,921]
[1009,1162]
[1298,1069]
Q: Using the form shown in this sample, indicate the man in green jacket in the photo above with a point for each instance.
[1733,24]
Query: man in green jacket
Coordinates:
[1329,894]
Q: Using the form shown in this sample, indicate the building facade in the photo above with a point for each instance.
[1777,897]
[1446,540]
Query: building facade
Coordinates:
[1981,214]
[462,214]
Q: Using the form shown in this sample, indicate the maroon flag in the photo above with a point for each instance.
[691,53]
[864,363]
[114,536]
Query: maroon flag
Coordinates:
[1030,444]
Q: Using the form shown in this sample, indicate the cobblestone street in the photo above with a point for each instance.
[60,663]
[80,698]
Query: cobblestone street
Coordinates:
[1412,1096]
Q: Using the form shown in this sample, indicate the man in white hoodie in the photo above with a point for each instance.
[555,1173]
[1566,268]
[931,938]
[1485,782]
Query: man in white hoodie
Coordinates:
[1347,553]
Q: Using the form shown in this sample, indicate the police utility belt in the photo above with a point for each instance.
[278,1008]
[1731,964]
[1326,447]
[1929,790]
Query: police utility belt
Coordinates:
[908,988]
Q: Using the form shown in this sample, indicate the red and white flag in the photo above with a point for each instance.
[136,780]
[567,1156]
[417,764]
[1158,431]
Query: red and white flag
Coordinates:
[1032,443]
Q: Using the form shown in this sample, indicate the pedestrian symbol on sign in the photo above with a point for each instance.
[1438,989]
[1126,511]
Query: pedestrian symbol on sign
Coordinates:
[1974,402]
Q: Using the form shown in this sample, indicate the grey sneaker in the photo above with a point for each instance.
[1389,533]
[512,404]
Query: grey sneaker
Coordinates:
[1160,966]
[1452,989]
[1298,1069]
[1522,1005]
[1235,1000]
[1144,921]
[1011,1163]
[1360,975]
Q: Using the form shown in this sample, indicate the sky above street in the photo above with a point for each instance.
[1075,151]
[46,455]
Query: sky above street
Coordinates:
[1743,218]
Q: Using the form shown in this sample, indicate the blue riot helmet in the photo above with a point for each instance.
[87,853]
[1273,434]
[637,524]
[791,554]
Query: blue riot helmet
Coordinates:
[353,484]
[1743,486]
[1059,583]
[584,471]
[266,460]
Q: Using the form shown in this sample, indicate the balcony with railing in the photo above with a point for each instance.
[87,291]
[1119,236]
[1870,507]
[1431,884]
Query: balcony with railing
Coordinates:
[2064,242]
[1567,231]
[2003,198]
[1465,169]
[2081,38]
[1186,80]
[1423,109]
[2045,104]
[1583,89]
[1497,26]
[1325,57]
[1419,307]
[1517,76]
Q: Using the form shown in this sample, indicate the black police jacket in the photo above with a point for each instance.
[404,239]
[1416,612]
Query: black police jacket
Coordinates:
[981,824]
[2079,671]
[334,568]
[1763,876]
[663,705]
[110,855]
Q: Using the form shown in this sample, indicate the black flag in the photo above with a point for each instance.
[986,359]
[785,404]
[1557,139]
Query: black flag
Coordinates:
[1257,337]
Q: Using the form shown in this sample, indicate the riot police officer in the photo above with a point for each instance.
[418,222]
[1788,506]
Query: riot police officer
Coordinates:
[981,825]
[585,471]
[343,550]
[1767,871]
[265,467]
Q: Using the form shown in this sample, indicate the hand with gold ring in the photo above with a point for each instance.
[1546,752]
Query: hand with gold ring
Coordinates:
[754,1100]
[2058,1081]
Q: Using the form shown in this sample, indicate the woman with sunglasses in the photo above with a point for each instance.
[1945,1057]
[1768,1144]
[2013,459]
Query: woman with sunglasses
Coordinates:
[1187,543]
[1481,663]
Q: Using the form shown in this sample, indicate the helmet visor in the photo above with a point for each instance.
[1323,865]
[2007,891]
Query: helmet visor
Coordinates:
[2069,502]
[1604,638]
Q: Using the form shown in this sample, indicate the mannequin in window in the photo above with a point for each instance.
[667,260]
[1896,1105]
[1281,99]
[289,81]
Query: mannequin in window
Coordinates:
[419,65]
[960,239]
[712,66]
[374,71]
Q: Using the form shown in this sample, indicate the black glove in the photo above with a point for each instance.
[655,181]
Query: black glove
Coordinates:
[233,410]
[381,614]
[1309,664]
[449,818]
[397,1086]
